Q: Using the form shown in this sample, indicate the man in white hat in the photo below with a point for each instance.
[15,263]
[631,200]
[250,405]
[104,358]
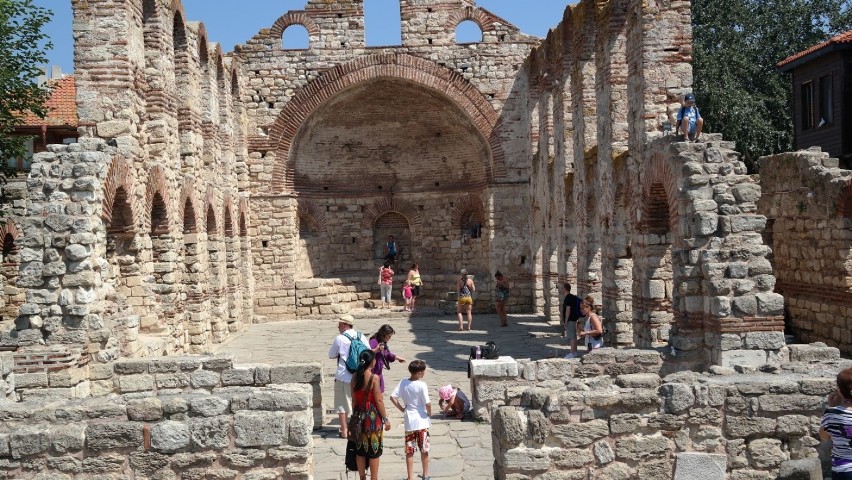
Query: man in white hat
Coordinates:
[342,379]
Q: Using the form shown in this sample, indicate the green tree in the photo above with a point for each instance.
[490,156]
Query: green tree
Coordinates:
[737,44]
[23,49]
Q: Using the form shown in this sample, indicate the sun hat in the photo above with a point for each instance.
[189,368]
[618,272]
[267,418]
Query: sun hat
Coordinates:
[445,392]
[464,271]
[348,319]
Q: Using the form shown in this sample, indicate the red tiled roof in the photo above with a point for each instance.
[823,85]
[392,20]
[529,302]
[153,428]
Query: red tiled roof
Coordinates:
[61,106]
[844,37]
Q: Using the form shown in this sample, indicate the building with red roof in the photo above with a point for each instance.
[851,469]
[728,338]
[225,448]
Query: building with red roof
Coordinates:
[59,126]
[822,96]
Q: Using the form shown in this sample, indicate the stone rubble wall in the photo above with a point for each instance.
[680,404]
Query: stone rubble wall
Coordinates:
[807,200]
[617,413]
[170,417]
[238,432]
[33,380]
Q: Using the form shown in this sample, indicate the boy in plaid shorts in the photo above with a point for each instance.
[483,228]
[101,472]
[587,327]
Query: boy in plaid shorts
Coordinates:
[411,397]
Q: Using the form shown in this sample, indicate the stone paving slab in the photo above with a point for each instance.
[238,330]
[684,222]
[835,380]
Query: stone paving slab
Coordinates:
[460,449]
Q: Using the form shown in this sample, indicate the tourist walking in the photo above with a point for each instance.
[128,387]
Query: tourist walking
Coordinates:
[369,417]
[569,313]
[411,397]
[342,378]
[386,284]
[416,284]
[384,357]
[501,293]
[592,328]
[837,426]
[465,289]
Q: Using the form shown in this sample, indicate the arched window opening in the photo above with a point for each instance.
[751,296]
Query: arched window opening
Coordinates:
[179,42]
[308,227]
[468,31]
[296,38]
[471,224]
[847,206]
[203,55]
[149,10]
[229,225]
[121,221]
[9,247]
[211,221]
[243,227]
[394,227]
[159,222]
[657,211]
[382,23]
[235,85]
[189,224]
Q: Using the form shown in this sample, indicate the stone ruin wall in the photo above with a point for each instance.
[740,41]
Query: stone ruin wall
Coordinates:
[177,417]
[665,235]
[807,200]
[621,414]
[468,151]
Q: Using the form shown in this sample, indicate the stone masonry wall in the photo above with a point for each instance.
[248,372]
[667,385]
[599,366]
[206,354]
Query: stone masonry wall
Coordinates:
[807,201]
[617,414]
[172,417]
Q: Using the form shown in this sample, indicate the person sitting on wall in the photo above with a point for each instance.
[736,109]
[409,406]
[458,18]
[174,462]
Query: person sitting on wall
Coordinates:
[689,120]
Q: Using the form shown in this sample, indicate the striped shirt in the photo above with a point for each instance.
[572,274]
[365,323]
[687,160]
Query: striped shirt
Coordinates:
[837,422]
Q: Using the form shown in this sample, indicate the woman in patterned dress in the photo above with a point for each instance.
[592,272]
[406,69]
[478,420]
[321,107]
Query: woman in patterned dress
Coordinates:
[368,404]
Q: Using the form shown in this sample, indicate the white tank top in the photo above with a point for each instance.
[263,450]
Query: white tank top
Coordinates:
[590,340]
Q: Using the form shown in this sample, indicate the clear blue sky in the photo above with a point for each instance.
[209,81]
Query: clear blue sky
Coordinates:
[232,22]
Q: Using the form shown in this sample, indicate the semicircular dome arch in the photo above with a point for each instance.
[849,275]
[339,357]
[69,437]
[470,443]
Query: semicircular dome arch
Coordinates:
[388,205]
[418,71]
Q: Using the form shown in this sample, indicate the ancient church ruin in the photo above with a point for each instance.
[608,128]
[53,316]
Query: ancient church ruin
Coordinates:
[211,190]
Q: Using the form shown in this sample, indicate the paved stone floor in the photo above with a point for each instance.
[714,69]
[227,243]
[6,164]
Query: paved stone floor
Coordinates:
[460,449]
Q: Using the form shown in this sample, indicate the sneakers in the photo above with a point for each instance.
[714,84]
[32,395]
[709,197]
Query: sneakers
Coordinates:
[570,356]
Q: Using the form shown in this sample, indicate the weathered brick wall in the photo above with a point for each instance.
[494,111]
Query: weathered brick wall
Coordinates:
[616,414]
[806,201]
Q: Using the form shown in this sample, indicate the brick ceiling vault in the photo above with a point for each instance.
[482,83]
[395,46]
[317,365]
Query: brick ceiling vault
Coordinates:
[453,105]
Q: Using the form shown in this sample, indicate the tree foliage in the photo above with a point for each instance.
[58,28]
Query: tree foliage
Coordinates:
[737,44]
[23,50]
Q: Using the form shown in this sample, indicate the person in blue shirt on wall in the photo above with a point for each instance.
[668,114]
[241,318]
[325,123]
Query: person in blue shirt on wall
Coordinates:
[689,119]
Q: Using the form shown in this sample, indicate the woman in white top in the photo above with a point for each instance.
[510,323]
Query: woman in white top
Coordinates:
[592,333]
[837,426]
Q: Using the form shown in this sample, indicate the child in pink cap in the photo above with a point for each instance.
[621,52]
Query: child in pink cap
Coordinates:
[453,401]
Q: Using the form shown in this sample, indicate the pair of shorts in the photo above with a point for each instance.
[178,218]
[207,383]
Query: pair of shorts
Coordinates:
[418,439]
[342,397]
[465,300]
[571,328]
[415,290]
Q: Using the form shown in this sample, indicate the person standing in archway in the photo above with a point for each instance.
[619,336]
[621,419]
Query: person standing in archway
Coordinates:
[465,289]
[416,284]
[391,250]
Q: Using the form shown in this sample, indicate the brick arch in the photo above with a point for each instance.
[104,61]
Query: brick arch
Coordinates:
[228,217]
[310,209]
[157,215]
[388,205]
[203,52]
[294,18]
[487,21]
[188,209]
[844,202]
[120,176]
[659,203]
[395,66]
[210,221]
[464,206]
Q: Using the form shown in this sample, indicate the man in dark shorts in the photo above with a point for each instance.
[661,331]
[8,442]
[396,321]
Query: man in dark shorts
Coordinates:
[391,250]
[569,313]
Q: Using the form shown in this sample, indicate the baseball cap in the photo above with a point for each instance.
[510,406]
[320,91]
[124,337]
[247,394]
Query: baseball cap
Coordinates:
[689,97]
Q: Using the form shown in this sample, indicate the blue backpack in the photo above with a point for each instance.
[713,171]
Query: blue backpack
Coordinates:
[356,346]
